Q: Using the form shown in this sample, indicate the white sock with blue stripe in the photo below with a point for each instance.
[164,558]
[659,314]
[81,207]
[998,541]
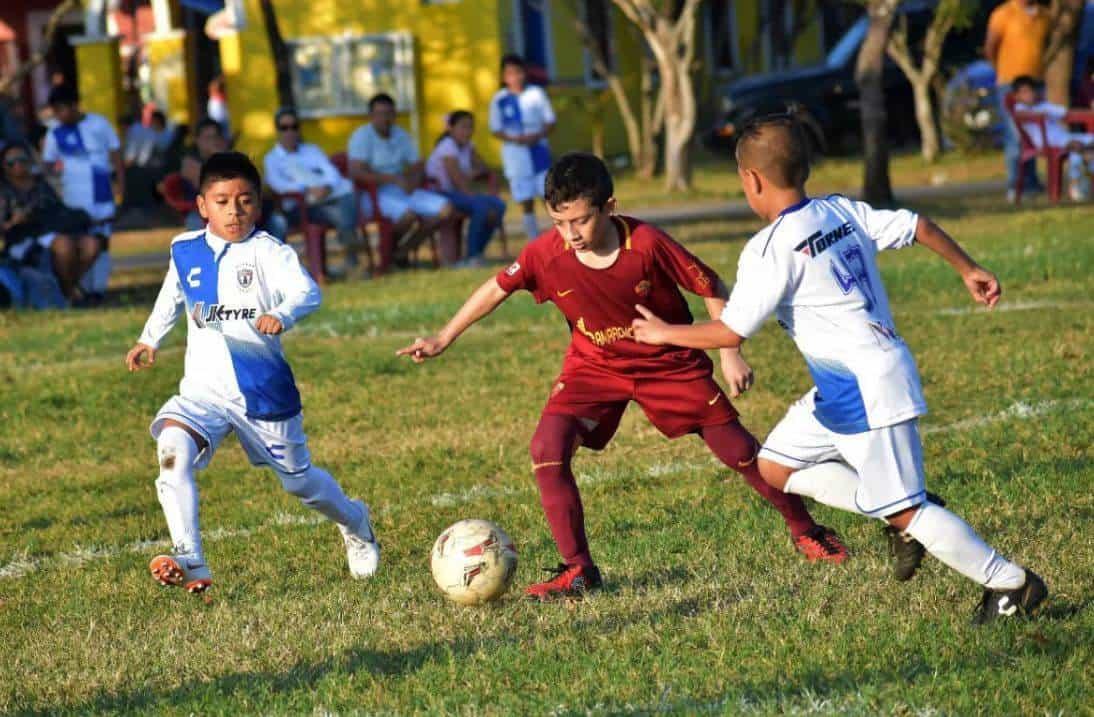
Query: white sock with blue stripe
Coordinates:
[832,483]
[955,543]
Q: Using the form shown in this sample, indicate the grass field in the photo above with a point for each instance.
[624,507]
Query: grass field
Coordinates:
[706,609]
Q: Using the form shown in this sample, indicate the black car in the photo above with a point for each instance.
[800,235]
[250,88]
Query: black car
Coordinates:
[826,93]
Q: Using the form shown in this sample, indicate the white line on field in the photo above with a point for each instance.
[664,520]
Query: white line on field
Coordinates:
[22,565]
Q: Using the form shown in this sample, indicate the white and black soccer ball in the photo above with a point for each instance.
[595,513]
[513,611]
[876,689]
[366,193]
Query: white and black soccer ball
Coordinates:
[473,562]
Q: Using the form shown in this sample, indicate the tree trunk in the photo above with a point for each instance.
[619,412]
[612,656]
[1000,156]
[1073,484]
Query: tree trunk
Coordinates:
[876,189]
[9,84]
[1059,56]
[280,54]
[924,117]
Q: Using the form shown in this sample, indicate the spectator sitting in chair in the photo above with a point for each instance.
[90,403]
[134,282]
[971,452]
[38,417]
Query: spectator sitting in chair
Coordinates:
[295,166]
[84,149]
[383,154]
[39,231]
[453,166]
[1080,145]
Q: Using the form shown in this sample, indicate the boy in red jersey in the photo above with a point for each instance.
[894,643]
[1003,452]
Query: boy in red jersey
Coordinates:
[595,266]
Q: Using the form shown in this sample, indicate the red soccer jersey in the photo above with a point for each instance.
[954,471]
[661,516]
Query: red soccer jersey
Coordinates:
[599,303]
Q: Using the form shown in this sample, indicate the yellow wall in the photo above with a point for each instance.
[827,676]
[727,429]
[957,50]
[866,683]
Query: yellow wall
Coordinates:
[99,78]
[170,66]
[457,50]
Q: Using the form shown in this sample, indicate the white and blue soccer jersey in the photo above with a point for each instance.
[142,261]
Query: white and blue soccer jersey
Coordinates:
[83,149]
[225,287]
[526,113]
[815,268]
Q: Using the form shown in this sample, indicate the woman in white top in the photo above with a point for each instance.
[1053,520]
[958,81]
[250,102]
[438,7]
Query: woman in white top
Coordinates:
[453,166]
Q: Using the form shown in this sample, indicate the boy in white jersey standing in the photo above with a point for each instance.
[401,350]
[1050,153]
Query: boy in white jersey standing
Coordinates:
[521,116]
[241,288]
[851,442]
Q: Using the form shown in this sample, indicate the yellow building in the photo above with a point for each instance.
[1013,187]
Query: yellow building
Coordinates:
[435,56]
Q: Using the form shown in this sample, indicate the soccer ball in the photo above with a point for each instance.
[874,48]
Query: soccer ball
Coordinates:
[473,562]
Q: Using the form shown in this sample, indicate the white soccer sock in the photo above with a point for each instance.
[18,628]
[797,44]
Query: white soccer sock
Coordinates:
[832,483]
[955,543]
[1075,166]
[530,226]
[177,490]
[318,490]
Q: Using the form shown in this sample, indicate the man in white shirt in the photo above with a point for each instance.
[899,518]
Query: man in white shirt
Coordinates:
[293,166]
[83,149]
[853,441]
[383,154]
[521,116]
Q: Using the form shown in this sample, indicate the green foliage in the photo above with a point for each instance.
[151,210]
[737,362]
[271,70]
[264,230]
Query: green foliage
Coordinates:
[707,609]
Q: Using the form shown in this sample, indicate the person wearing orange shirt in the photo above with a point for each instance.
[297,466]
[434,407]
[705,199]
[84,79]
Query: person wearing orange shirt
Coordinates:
[1017,31]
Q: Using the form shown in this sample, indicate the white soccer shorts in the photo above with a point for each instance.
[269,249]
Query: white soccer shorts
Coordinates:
[889,461]
[281,445]
[527,187]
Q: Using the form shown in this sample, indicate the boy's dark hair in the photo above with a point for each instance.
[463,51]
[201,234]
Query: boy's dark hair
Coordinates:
[775,146]
[1023,81]
[63,95]
[205,124]
[513,58]
[579,175]
[6,149]
[224,166]
[381,97]
[288,112]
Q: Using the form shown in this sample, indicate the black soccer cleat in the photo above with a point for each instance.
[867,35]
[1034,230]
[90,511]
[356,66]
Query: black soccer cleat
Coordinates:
[907,552]
[1019,602]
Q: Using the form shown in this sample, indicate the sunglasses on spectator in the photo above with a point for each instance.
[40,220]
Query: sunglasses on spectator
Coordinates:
[294,127]
[12,161]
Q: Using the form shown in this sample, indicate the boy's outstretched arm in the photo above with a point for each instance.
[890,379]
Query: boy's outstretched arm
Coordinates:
[981,283]
[650,329]
[165,312]
[485,299]
[735,368]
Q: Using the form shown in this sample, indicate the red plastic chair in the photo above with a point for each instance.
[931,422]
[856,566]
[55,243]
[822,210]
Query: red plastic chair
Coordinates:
[315,235]
[1054,156]
[385,227]
[176,192]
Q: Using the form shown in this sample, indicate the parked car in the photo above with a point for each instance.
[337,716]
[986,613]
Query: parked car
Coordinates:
[827,94]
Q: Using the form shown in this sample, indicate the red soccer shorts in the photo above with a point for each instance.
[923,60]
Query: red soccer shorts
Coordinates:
[675,406]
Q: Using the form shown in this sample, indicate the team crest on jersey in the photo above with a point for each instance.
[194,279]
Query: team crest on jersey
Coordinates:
[513,269]
[643,288]
[245,275]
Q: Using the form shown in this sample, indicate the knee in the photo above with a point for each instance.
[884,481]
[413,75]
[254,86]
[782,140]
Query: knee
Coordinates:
[296,484]
[733,444]
[548,447]
[89,246]
[63,246]
[175,450]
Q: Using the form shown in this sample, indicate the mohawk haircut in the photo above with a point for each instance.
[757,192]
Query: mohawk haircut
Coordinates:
[776,147]
[224,166]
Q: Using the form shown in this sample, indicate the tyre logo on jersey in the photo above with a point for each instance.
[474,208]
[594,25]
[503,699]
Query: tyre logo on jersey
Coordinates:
[818,241]
[206,316]
[643,288]
[245,276]
[192,278]
[513,269]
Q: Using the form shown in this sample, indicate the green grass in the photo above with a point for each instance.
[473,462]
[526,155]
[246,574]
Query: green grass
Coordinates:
[706,610]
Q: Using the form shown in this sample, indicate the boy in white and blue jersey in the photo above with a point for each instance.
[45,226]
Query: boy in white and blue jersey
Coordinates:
[240,289]
[521,116]
[85,149]
[852,441]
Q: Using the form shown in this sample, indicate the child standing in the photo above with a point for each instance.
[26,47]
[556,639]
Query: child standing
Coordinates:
[851,442]
[521,116]
[241,288]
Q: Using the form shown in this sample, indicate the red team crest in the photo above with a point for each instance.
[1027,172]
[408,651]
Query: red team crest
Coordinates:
[643,288]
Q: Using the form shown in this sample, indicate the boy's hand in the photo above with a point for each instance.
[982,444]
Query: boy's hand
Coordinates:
[422,349]
[134,361]
[267,324]
[983,285]
[737,372]
[650,329]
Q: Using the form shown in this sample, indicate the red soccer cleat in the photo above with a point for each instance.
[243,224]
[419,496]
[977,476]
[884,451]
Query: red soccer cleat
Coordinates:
[177,571]
[821,543]
[571,581]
